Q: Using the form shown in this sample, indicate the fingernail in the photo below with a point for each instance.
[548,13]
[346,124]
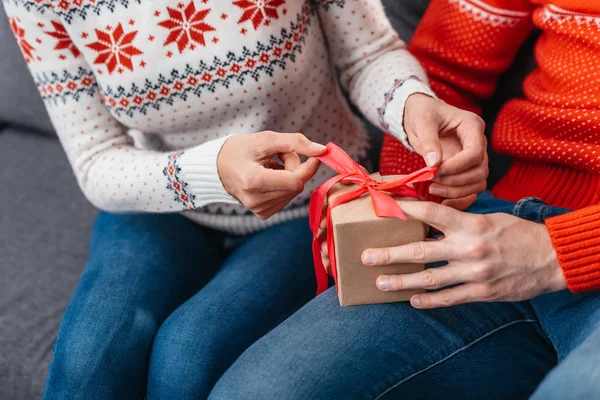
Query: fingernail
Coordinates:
[437,190]
[431,158]
[369,258]
[415,302]
[317,146]
[383,283]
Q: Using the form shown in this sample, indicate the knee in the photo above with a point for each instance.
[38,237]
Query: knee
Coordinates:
[184,358]
[96,354]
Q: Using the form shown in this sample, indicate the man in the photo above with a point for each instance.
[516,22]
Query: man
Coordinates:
[512,321]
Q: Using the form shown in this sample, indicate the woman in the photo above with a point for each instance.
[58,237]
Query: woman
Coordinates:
[511,317]
[166,304]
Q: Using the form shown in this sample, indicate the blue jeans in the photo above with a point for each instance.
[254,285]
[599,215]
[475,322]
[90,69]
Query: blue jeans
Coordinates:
[165,306]
[393,351]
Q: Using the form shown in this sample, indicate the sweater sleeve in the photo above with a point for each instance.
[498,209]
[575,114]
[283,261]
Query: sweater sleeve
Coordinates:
[375,67]
[465,45]
[113,174]
[577,244]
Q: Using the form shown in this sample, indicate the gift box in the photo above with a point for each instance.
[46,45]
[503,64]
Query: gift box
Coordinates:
[362,212]
[356,228]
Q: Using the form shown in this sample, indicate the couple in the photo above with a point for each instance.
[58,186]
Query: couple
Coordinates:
[220,303]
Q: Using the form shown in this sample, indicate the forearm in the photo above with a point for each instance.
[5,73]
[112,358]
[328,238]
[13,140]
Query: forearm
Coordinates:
[117,176]
[376,68]
[576,241]
[125,179]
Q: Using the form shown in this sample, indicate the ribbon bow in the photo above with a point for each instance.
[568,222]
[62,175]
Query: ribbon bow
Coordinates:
[351,172]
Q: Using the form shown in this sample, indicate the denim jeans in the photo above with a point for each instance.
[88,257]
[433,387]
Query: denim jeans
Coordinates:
[393,351]
[164,306]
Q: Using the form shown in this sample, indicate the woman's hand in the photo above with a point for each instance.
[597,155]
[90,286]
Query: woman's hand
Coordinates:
[454,139]
[495,257]
[249,170]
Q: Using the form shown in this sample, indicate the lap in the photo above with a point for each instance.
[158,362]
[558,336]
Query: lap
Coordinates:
[391,350]
[264,280]
[139,269]
[371,351]
[148,261]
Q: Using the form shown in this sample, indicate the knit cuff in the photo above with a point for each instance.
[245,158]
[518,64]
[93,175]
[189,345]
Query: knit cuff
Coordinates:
[577,244]
[392,116]
[200,174]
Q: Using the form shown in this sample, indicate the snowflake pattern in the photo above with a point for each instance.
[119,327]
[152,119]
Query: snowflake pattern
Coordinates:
[19,33]
[193,79]
[257,10]
[64,40]
[115,48]
[186,25]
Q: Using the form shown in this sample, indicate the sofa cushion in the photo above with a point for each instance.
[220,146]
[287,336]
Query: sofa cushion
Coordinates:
[20,102]
[45,223]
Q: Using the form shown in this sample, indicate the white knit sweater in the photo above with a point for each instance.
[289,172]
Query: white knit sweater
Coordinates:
[144,93]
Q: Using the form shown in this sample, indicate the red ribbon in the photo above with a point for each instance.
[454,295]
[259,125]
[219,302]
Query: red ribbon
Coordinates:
[351,172]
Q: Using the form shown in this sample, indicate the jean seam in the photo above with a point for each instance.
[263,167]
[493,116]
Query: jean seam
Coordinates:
[519,208]
[535,310]
[545,213]
[449,356]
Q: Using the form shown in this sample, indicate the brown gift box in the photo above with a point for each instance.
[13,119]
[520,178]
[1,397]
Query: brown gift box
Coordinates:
[357,228]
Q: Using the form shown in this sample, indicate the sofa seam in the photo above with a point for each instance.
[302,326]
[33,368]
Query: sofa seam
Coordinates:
[486,335]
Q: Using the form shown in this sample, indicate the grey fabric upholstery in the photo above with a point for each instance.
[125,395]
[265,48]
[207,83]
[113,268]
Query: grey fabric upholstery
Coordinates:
[20,102]
[44,231]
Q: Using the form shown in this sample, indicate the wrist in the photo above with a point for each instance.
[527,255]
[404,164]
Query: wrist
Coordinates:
[199,173]
[392,115]
[417,105]
[550,262]
[222,163]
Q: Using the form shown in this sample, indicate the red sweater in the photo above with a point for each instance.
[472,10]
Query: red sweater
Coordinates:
[553,133]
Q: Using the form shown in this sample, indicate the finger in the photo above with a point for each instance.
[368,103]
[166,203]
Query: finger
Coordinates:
[273,208]
[429,141]
[326,262]
[291,161]
[307,169]
[456,192]
[476,174]
[416,252]
[461,204]
[324,249]
[273,143]
[467,293]
[430,279]
[274,165]
[442,218]
[323,225]
[472,137]
[270,180]
[262,201]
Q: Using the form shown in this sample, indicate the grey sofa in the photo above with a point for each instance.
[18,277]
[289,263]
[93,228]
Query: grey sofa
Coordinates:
[45,221]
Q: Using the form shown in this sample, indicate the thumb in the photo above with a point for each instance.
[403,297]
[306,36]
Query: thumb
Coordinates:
[430,147]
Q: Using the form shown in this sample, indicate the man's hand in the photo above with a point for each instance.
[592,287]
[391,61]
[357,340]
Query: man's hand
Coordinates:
[454,139]
[249,170]
[495,257]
